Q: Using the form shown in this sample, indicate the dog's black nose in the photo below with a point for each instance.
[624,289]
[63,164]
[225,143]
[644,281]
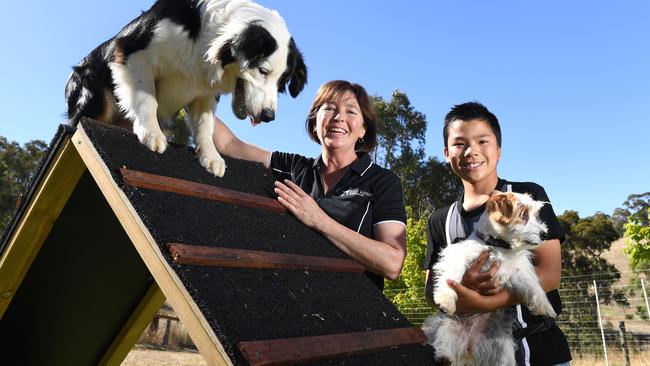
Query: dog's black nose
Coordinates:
[268,115]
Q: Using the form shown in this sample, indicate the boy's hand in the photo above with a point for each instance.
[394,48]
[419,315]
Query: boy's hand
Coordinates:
[482,282]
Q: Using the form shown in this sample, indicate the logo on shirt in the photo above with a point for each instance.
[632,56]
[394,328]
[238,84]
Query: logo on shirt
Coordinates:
[356,192]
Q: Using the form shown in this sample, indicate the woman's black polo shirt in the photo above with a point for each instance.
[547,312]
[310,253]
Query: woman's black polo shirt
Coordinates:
[366,195]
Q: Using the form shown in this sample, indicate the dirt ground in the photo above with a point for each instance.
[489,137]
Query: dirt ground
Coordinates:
[151,357]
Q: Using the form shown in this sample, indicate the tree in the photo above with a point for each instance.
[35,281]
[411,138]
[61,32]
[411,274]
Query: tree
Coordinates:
[636,204]
[412,276]
[637,233]
[427,183]
[586,240]
[17,169]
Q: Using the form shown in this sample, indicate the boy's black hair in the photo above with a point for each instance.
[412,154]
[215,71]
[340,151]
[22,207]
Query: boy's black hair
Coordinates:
[469,111]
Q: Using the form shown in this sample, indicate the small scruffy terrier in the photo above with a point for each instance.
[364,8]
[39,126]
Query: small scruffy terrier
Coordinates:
[509,228]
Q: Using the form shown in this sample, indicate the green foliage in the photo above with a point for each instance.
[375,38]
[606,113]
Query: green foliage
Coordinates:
[412,276]
[179,133]
[586,240]
[427,183]
[635,205]
[17,168]
[637,233]
[402,128]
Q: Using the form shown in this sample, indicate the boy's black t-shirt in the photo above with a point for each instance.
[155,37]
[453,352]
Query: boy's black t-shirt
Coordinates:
[549,347]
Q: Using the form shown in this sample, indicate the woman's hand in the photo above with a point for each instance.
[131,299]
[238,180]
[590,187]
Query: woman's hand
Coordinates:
[383,255]
[299,203]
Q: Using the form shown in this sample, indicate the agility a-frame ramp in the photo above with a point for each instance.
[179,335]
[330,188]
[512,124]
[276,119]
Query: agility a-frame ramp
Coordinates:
[109,229]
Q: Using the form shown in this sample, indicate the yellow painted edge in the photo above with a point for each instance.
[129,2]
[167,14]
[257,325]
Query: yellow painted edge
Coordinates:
[38,218]
[134,327]
[188,312]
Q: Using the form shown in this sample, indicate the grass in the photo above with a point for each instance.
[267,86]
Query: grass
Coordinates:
[141,356]
[614,358]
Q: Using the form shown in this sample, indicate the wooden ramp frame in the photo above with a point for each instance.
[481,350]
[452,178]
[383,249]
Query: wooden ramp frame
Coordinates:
[18,257]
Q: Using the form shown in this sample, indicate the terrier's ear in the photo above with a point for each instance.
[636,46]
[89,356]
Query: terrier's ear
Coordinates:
[522,213]
[501,208]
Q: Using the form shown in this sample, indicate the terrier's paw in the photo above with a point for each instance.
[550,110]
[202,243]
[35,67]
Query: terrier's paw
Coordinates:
[214,163]
[155,141]
[542,308]
[446,298]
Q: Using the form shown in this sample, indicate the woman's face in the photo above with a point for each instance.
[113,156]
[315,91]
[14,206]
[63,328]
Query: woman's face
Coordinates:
[339,123]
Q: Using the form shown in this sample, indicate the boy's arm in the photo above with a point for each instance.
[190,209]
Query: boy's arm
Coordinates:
[548,263]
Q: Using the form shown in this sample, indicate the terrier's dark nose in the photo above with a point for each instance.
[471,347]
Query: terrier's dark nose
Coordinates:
[268,115]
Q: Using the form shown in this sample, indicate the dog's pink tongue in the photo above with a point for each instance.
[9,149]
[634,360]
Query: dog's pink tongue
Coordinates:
[254,121]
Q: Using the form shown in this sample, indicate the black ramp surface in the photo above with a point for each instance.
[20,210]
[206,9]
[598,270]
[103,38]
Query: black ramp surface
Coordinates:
[251,304]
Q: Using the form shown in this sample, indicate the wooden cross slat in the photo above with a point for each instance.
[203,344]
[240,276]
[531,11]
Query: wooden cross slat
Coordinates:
[291,351]
[241,258]
[156,182]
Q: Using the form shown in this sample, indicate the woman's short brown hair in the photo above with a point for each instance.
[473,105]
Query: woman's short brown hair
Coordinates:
[329,92]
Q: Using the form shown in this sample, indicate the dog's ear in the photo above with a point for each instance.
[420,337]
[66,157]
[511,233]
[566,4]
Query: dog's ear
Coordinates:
[296,73]
[501,208]
[252,45]
[523,213]
[225,54]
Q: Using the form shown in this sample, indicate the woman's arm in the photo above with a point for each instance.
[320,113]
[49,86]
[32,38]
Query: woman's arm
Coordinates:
[227,143]
[383,255]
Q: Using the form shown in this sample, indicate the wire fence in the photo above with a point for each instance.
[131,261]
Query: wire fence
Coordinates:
[604,316]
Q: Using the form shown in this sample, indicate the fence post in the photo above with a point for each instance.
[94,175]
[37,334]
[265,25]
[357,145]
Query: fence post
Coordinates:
[600,323]
[626,352]
[645,296]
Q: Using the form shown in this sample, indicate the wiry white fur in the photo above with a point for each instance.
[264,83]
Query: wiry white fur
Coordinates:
[175,72]
[485,339]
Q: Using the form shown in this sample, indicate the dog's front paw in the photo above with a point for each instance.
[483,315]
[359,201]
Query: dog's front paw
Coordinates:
[214,163]
[446,300]
[155,141]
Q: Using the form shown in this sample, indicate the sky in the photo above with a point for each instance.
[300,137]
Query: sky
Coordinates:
[568,80]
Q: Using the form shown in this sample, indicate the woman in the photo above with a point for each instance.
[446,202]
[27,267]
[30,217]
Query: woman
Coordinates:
[355,204]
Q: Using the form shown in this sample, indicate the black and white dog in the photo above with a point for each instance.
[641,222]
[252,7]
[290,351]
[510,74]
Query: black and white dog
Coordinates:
[184,54]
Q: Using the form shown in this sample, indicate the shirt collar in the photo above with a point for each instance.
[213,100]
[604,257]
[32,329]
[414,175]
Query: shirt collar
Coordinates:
[358,166]
[501,183]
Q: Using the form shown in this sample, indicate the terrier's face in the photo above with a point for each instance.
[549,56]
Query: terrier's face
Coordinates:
[514,218]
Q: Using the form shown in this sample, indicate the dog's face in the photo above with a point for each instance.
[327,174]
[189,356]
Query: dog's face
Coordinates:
[258,62]
[514,218]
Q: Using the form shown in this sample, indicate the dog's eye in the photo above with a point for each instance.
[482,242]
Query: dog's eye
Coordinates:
[264,71]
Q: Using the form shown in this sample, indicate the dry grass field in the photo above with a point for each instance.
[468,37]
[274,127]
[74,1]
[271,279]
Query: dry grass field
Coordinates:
[615,359]
[140,356]
[150,357]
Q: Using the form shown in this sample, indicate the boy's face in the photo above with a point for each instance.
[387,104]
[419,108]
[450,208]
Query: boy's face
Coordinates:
[472,150]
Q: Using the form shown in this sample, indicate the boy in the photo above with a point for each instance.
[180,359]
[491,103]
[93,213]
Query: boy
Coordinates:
[472,137]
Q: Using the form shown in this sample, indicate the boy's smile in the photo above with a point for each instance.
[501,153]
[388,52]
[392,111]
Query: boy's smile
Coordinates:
[472,151]
[470,165]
